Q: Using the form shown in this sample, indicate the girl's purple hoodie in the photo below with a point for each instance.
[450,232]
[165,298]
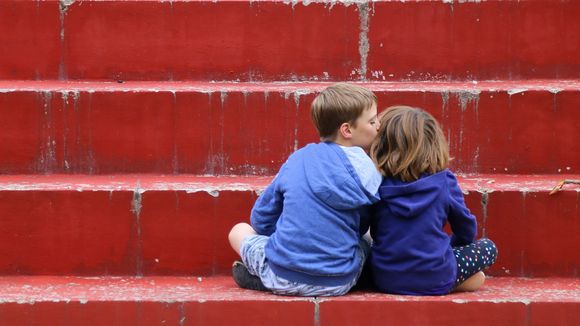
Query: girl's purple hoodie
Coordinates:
[411,253]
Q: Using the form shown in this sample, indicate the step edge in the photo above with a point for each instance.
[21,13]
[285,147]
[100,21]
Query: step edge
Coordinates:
[18,289]
[484,183]
[511,87]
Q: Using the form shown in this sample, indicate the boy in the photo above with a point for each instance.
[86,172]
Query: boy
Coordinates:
[306,229]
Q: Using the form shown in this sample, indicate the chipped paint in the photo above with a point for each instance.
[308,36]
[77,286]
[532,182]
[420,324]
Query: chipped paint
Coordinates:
[214,193]
[363,42]
[445,105]
[182,317]
[216,164]
[223,97]
[75,94]
[47,159]
[516,91]
[484,203]
[136,206]
[65,4]
[467,97]
[316,311]
[63,7]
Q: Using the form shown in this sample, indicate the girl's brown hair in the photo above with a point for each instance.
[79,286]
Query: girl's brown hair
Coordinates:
[410,142]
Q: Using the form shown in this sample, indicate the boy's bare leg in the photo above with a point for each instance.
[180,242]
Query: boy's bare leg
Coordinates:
[238,233]
[471,284]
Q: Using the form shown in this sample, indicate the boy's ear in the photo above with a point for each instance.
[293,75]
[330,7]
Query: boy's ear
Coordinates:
[344,131]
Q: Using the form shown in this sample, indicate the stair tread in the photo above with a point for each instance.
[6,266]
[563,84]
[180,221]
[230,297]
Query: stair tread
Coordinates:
[513,86]
[30,289]
[149,182]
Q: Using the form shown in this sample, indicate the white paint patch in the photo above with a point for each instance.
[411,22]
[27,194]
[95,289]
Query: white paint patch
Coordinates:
[516,91]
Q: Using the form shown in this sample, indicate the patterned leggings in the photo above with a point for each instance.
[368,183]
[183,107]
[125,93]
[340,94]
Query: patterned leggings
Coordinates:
[474,258]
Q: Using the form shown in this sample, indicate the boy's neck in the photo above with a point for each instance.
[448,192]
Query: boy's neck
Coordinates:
[342,142]
[337,139]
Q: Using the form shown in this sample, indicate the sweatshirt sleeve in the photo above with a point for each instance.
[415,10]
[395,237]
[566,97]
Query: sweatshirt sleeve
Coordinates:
[463,223]
[267,209]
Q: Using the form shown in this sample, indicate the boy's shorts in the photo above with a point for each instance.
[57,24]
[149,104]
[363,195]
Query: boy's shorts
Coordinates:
[254,257]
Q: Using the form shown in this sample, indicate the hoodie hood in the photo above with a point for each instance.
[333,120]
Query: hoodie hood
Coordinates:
[333,179]
[410,199]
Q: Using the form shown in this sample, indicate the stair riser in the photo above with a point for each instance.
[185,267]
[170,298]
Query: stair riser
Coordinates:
[119,233]
[179,233]
[253,132]
[449,313]
[424,40]
[227,312]
[536,233]
[282,313]
[487,40]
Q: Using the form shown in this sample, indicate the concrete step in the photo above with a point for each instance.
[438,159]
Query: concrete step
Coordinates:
[289,40]
[52,300]
[251,128]
[178,225]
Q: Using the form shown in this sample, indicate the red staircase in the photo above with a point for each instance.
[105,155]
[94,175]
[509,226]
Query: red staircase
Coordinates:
[135,134]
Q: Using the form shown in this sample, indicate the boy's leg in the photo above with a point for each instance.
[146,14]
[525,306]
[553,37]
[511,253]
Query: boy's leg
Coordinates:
[245,272]
[245,279]
[237,235]
[284,287]
[471,261]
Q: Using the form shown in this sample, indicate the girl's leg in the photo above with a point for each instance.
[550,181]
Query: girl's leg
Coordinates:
[238,233]
[471,261]
[471,284]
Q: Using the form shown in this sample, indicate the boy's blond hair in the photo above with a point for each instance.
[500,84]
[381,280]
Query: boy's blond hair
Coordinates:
[338,104]
[410,142]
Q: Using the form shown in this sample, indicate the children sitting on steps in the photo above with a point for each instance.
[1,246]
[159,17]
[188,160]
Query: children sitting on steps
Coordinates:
[411,253]
[306,232]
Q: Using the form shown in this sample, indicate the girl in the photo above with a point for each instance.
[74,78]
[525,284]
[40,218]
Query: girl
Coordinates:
[411,253]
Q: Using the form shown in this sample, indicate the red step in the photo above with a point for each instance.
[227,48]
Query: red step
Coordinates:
[474,40]
[251,128]
[289,40]
[178,225]
[217,301]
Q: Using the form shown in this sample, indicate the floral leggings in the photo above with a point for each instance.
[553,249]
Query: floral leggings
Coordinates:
[474,258]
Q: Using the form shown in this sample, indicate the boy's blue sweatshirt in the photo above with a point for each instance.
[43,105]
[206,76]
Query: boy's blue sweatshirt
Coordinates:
[312,213]
[411,253]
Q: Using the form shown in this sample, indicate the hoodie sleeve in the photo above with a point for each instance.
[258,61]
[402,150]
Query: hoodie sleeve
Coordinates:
[267,209]
[462,222]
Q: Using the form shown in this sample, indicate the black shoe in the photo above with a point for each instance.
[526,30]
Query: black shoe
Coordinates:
[245,280]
